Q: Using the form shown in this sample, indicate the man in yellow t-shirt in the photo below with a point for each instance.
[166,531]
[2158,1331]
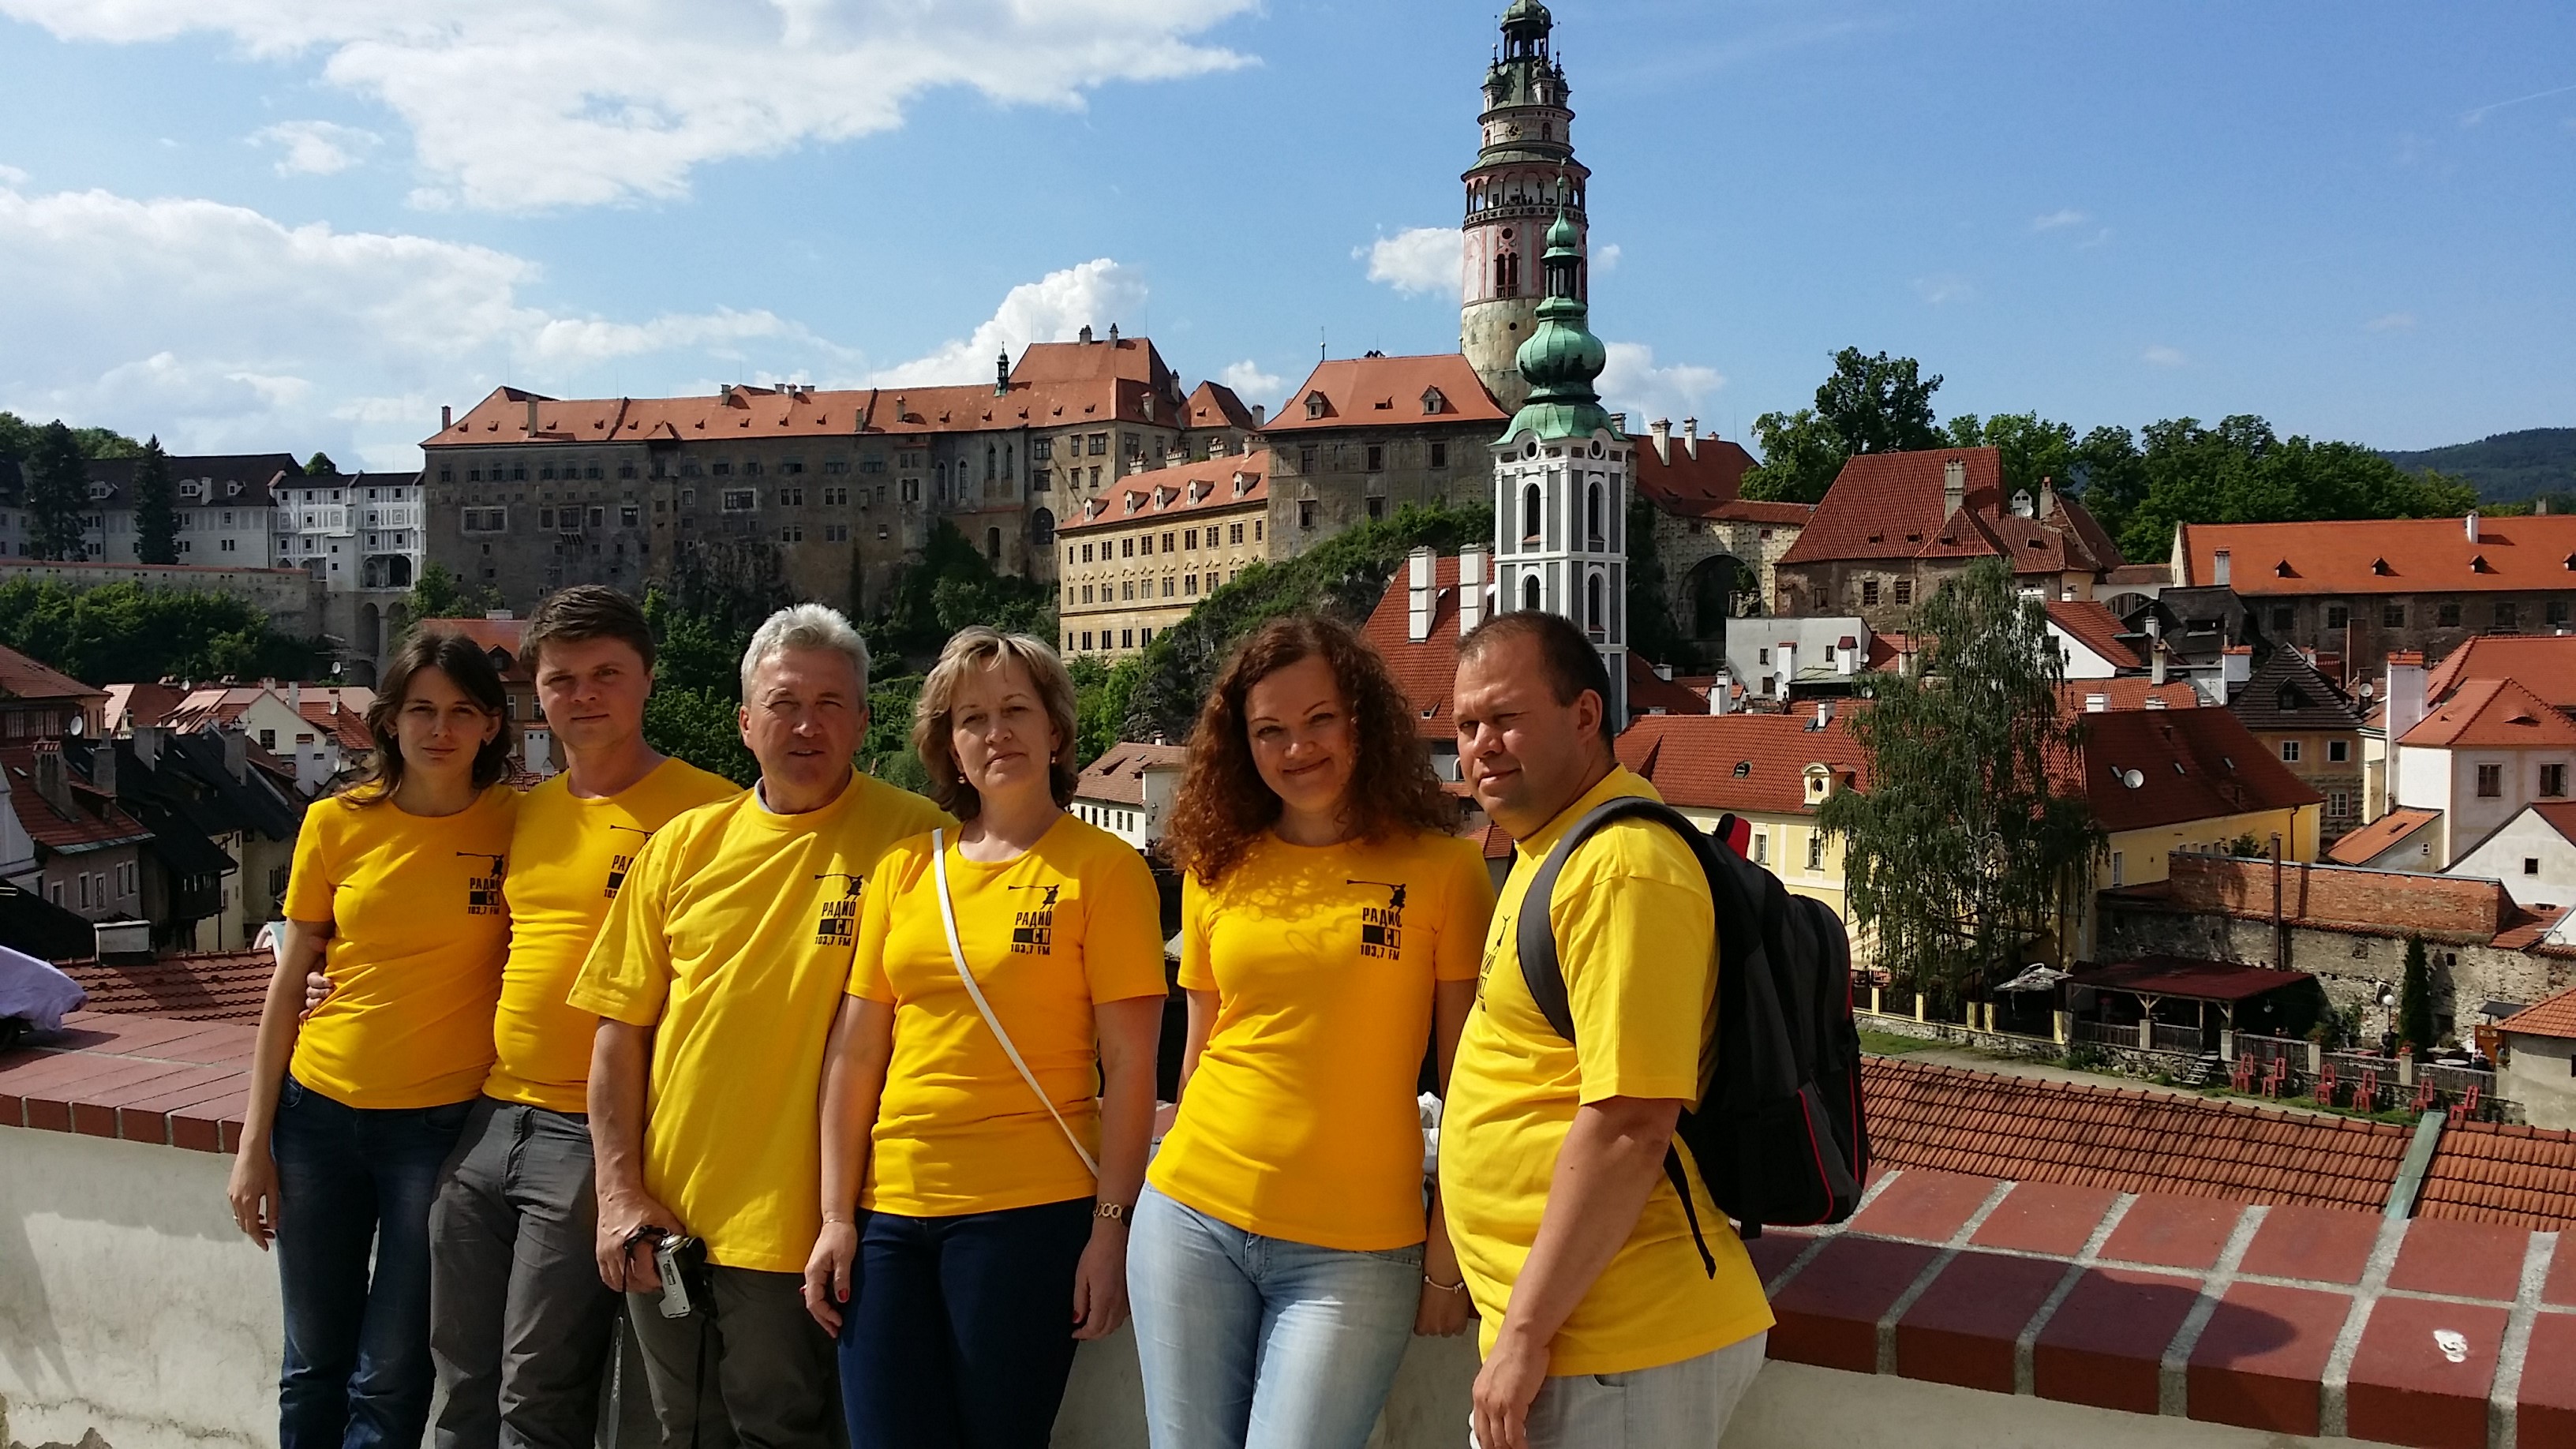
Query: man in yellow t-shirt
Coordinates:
[716,978]
[524,1325]
[1601,1326]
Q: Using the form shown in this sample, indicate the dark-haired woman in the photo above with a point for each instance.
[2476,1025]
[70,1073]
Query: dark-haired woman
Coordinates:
[1286,1249]
[396,894]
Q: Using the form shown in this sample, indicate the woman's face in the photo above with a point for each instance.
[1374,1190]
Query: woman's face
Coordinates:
[1302,738]
[1000,733]
[440,728]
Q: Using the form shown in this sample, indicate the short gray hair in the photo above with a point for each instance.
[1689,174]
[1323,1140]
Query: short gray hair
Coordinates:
[804,626]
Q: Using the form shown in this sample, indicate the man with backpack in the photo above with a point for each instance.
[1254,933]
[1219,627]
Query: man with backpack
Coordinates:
[1614,1312]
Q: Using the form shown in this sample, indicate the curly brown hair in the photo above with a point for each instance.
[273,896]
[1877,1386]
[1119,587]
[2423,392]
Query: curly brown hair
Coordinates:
[1223,806]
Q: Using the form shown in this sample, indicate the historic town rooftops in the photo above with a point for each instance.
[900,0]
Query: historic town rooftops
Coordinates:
[2095,627]
[1118,776]
[216,480]
[73,820]
[1779,764]
[214,986]
[2555,1016]
[132,706]
[25,678]
[2286,692]
[2126,692]
[2165,766]
[2545,664]
[1689,476]
[2383,556]
[1214,405]
[1425,669]
[1183,489]
[2492,714]
[1651,693]
[339,710]
[2380,836]
[1380,392]
[1896,506]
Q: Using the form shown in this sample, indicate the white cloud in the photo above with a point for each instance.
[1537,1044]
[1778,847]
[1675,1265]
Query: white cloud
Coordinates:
[12,176]
[2163,356]
[1417,260]
[2058,220]
[1250,383]
[520,106]
[1052,309]
[2392,322]
[1945,288]
[1606,258]
[219,328]
[315,148]
[1634,383]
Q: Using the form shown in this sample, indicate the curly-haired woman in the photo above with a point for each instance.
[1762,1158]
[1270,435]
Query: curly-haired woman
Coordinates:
[1286,1249]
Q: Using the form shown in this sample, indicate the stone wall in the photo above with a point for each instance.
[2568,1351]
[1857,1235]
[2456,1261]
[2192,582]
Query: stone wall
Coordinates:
[292,598]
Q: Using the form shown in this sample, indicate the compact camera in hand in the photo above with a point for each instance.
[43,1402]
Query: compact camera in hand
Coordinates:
[682,1263]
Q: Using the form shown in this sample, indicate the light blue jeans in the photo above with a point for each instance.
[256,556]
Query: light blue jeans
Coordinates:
[1686,1403]
[1250,1342]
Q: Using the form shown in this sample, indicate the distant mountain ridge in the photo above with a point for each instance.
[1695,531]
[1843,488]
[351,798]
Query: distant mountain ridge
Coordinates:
[2506,467]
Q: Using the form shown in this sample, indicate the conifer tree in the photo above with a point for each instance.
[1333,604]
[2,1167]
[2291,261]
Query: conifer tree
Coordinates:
[156,509]
[2415,1000]
[57,489]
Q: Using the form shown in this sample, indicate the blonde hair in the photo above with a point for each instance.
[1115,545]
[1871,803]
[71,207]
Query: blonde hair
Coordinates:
[978,649]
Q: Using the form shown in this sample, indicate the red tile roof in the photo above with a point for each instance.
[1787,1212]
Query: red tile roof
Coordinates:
[2190,764]
[2127,692]
[131,706]
[95,821]
[2385,556]
[1426,670]
[1184,489]
[2492,714]
[1214,405]
[1739,762]
[2367,844]
[215,986]
[2543,663]
[339,710]
[2493,1172]
[2193,980]
[2555,1016]
[2125,1139]
[1118,776]
[1649,692]
[1685,485]
[25,678]
[1891,506]
[2096,628]
[1378,392]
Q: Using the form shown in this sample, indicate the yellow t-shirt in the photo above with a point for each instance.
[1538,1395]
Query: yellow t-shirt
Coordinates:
[419,931]
[571,853]
[1634,934]
[1300,1121]
[732,936]
[1071,922]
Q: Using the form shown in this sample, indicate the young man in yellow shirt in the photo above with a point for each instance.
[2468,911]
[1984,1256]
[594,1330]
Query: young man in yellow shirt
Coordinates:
[523,1326]
[717,978]
[1601,1327]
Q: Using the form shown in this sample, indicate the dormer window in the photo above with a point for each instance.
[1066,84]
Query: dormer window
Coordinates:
[1743,769]
[2380,567]
[1242,484]
[1314,405]
[1433,400]
[2478,565]
[2283,570]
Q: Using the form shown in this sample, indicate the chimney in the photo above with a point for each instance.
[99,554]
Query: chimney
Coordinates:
[2219,571]
[236,754]
[1690,437]
[2097,703]
[1086,334]
[532,417]
[102,768]
[2155,655]
[1954,485]
[1662,429]
[2406,704]
[1471,587]
[1113,334]
[1619,422]
[446,418]
[2540,507]
[1718,690]
[1664,672]
[295,696]
[1824,713]
[1788,654]
[2047,499]
[2235,666]
[1260,414]
[1002,373]
[2472,522]
[147,745]
[1424,595]
[50,780]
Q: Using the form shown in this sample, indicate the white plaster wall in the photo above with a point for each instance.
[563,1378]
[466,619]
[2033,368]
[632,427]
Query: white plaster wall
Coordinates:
[2539,1077]
[2525,837]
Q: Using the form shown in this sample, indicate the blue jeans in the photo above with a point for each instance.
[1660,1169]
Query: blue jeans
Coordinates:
[1250,1342]
[959,1330]
[350,1181]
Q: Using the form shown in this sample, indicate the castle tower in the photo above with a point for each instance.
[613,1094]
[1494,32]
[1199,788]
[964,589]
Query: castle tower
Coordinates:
[1561,475]
[1525,174]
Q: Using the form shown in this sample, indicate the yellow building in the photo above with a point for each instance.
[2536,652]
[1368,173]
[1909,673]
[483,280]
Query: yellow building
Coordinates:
[1144,553]
[1772,771]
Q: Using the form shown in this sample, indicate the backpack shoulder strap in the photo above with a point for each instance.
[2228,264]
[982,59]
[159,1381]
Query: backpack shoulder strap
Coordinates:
[1534,934]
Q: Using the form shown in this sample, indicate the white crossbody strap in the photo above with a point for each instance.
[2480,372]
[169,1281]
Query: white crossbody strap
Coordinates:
[957,953]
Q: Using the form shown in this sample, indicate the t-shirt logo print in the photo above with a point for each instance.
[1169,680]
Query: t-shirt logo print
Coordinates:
[1382,927]
[622,861]
[483,891]
[1033,930]
[839,923]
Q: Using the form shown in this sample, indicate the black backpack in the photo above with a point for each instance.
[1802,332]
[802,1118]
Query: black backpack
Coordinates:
[1780,1137]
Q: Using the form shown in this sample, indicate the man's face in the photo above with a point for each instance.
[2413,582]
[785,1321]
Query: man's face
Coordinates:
[592,692]
[1526,755]
[802,719]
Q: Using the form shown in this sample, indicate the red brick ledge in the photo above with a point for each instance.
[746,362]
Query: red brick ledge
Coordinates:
[2293,1320]
[138,1078]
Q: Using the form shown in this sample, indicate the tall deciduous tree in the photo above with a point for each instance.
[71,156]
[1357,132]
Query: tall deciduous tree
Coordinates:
[320,466]
[1964,851]
[2032,449]
[1801,453]
[156,507]
[57,489]
[1868,404]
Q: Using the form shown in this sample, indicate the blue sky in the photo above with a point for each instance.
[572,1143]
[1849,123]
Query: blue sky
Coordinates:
[306,224]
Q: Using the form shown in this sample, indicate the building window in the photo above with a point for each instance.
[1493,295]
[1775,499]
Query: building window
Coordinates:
[1905,591]
[1306,459]
[1376,508]
[2338,751]
[1167,586]
[1190,586]
[1815,850]
[2449,616]
[1869,593]
[1098,445]
[2392,616]
[2289,752]
[2553,780]
[1127,547]
[1377,457]
[2282,617]
[2506,615]
[1306,513]
[2118,874]
[1126,638]
[1234,532]
[2490,781]
[1440,455]
[2557,613]
[2338,804]
[1762,849]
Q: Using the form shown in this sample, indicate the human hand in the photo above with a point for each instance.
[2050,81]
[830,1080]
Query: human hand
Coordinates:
[1443,1312]
[1100,1282]
[827,1273]
[252,1192]
[317,989]
[1505,1387]
[625,1260]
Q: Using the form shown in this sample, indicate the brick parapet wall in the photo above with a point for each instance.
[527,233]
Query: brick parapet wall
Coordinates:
[2328,895]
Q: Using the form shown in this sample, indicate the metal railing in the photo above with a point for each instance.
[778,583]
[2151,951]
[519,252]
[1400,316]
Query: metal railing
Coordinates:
[2182,1038]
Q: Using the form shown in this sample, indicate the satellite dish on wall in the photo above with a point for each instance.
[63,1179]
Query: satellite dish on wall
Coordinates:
[76,726]
[2132,779]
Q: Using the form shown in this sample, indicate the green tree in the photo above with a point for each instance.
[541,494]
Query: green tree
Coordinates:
[57,491]
[18,440]
[1961,853]
[1801,454]
[1653,633]
[697,688]
[951,587]
[1879,404]
[2241,471]
[2032,449]
[124,632]
[320,466]
[2415,1000]
[440,594]
[156,511]
[1101,696]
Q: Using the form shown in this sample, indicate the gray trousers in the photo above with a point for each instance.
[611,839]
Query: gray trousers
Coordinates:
[520,1325]
[756,1373]
[1682,1405]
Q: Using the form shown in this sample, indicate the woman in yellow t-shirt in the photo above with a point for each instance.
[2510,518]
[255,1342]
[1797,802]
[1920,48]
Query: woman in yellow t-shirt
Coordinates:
[396,896]
[989,1086]
[1331,928]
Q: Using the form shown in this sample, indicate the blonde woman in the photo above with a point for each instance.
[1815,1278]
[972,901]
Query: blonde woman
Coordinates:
[989,1086]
